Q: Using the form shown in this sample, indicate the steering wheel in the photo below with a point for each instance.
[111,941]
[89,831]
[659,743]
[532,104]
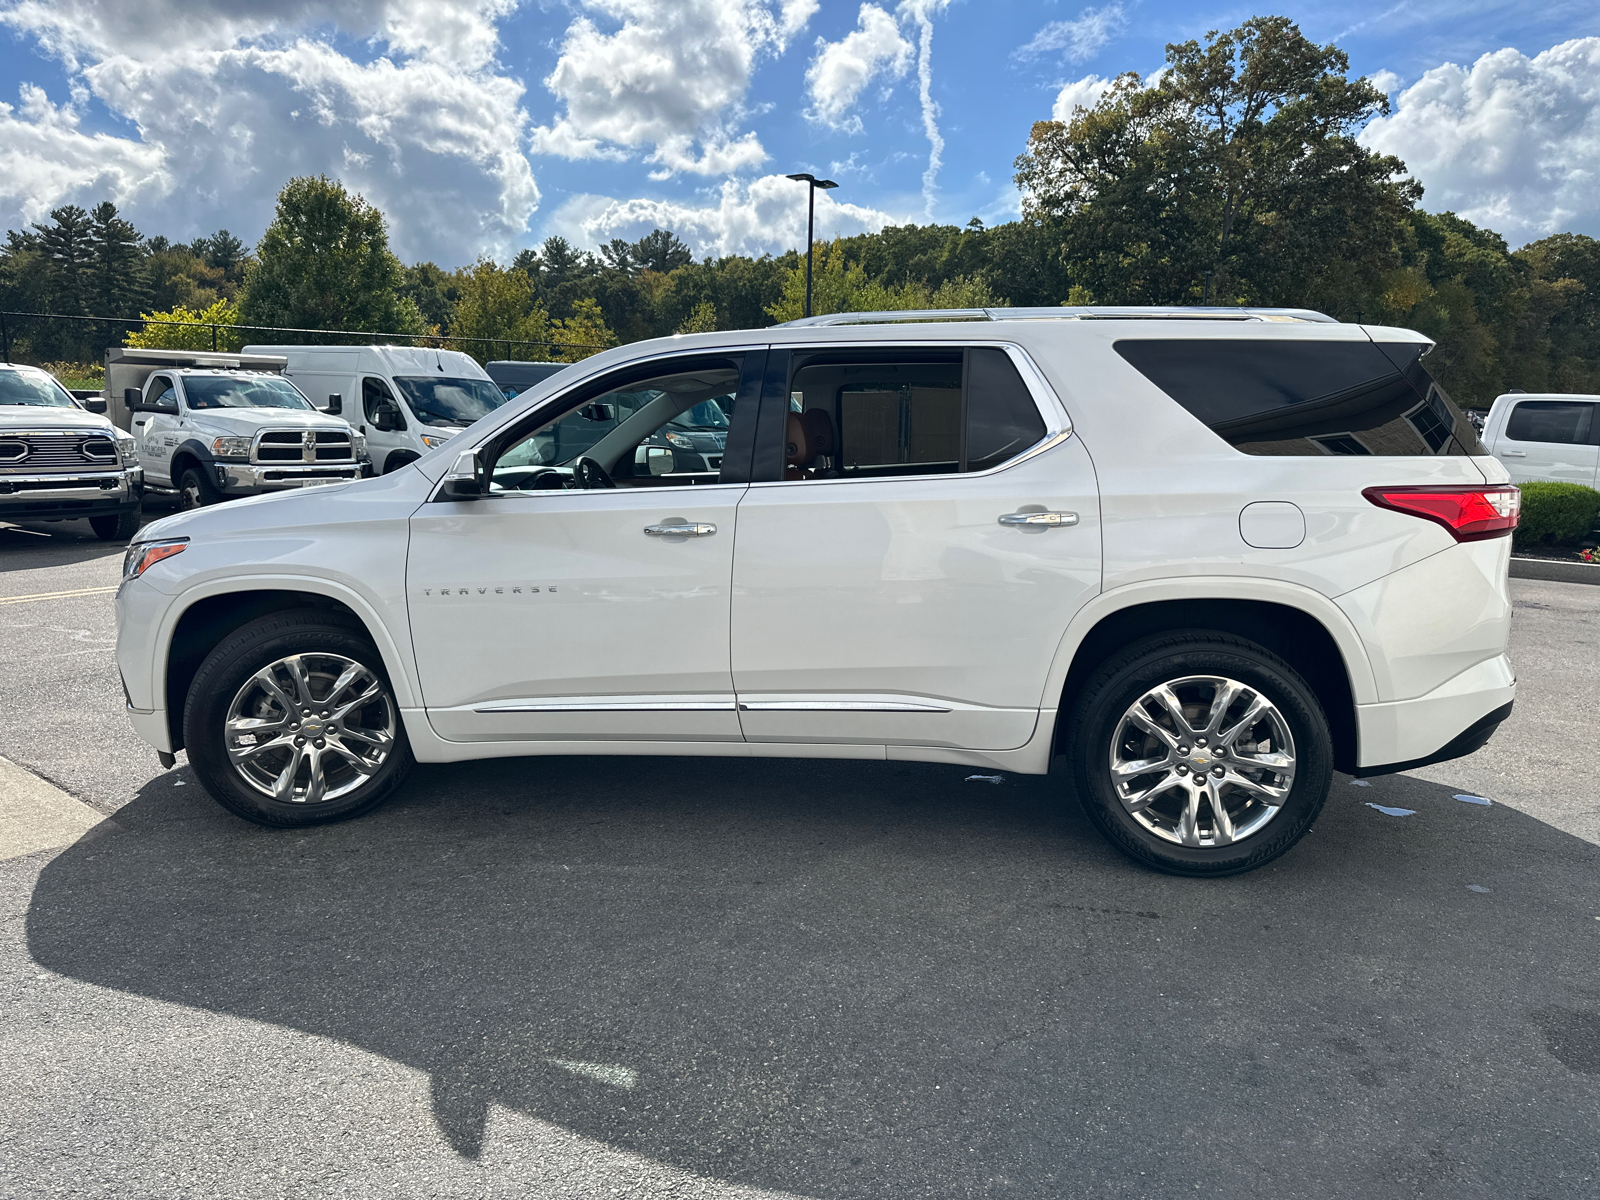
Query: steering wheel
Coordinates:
[591,474]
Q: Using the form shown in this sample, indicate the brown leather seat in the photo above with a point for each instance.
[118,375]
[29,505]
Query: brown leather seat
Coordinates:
[807,436]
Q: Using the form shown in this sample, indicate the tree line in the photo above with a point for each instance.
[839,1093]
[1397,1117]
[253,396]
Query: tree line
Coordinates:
[1234,177]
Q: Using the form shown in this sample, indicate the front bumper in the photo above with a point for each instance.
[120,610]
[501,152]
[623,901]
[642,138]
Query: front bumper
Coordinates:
[240,478]
[56,497]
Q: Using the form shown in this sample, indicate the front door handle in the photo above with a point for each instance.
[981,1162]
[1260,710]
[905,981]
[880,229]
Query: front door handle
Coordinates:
[680,530]
[1049,520]
[1514,454]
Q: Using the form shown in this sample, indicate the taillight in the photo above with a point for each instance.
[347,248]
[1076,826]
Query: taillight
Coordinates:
[1469,513]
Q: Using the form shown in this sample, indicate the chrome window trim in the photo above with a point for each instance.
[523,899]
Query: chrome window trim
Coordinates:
[1057,421]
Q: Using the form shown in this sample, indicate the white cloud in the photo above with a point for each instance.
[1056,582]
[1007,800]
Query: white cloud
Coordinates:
[1511,142]
[922,12]
[668,77]
[766,215]
[1386,82]
[1080,93]
[841,69]
[1080,39]
[434,140]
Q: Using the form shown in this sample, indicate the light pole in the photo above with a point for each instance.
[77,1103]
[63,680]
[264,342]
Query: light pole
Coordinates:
[812,184]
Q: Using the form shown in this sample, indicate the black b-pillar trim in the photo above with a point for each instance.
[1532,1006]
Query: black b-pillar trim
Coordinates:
[766,465]
[740,447]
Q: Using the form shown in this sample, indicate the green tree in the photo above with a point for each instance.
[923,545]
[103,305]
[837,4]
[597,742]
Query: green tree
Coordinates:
[66,246]
[585,333]
[499,304]
[324,263]
[433,290]
[117,273]
[187,329]
[660,251]
[839,285]
[1241,160]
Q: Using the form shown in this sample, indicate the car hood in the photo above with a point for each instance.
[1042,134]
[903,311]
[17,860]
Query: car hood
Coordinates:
[248,420]
[33,416]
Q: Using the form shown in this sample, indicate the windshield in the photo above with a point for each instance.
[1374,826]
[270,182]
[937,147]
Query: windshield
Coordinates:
[242,391]
[450,401]
[707,414]
[40,391]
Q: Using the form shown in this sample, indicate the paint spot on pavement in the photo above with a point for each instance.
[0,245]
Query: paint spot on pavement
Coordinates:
[1392,812]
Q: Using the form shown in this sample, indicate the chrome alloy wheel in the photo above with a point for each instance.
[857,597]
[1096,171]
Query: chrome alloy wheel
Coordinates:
[310,728]
[189,497]
[1203,761]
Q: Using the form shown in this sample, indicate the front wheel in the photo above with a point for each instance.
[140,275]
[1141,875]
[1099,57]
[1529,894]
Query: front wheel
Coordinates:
[116,527]
[195,489]
[292,721]
[1199,753]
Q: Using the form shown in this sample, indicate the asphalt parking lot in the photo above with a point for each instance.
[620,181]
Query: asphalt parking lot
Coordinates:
[707,977]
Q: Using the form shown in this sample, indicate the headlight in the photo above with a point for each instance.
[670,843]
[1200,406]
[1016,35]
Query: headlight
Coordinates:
[359,442]
[231,447]
[141,556]
[681,441]
[127,446]
[431,440]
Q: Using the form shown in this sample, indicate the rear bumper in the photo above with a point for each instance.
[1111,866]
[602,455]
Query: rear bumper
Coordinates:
[1453,720]
[49,497]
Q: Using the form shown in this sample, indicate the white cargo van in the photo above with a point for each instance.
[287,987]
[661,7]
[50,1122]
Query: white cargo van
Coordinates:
[406,400]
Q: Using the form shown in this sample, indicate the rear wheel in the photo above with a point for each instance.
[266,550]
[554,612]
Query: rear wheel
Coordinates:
[292,721]
[116,527]
[195,489]
[1199,753]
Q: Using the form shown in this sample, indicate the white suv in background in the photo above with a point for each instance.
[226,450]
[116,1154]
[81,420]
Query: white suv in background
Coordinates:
[1546,436]
[1208,560]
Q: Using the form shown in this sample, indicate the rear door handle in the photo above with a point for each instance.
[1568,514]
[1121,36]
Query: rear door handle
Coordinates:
[684,530]
[1049,520]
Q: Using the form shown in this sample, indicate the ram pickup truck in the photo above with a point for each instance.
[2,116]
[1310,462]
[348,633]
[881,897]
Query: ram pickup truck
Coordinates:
[61,460]
[211,433]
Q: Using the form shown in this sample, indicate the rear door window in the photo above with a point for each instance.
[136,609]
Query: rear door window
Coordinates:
[1308,398]
[1566,422]
[876,413]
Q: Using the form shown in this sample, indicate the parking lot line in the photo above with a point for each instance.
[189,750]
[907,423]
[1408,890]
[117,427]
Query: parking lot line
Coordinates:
[35,815]
[94,591]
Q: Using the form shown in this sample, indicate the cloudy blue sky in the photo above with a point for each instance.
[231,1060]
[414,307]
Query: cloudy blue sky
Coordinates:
[481,126]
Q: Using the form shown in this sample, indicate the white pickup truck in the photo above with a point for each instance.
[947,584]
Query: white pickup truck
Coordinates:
[213,432]
[1545,435]
[60,460]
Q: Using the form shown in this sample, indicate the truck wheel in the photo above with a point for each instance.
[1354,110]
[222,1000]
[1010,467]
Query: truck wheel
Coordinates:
[195,489]
[1199,753]
[116,527]
[292,721]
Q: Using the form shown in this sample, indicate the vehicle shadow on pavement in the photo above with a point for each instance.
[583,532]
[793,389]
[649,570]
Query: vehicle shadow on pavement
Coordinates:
[863,979]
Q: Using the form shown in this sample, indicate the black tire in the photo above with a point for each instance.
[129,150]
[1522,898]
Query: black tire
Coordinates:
[116,527]
[195,489]
[1097,718]
[322,638]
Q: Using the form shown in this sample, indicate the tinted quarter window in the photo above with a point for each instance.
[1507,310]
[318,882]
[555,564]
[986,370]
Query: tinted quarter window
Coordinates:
[1291,398]
[1565,421]
[1002,420]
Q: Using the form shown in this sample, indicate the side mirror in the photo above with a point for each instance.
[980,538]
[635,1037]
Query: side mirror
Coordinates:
[386,417]
[464,480]
[335,404]
[597,412]
[95,404]
[659,459]
[133,399]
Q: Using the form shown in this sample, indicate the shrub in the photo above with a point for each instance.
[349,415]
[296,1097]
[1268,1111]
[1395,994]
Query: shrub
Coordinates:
[1556,513]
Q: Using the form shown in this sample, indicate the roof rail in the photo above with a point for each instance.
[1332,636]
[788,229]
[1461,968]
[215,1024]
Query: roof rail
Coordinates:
[1065,313]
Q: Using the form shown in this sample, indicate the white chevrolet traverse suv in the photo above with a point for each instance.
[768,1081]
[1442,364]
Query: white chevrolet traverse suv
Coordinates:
[1209,556]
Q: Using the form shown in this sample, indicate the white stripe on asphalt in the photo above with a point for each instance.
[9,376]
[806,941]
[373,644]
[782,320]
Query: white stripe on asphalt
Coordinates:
[35,815]
[95,591]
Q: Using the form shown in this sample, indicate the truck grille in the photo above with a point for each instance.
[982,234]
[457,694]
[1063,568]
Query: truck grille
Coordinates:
[304,446]
[68,450]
